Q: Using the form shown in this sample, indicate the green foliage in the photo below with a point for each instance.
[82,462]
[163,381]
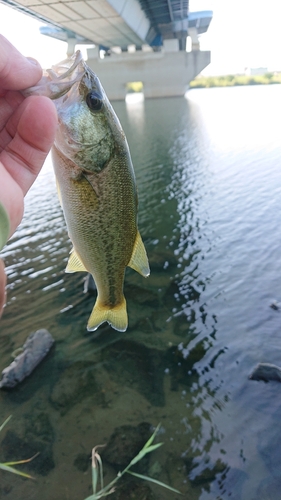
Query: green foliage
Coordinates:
[234,80]
[134,87]
[97,471]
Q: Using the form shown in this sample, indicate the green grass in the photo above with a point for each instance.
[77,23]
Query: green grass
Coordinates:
[97,471]
[234,80]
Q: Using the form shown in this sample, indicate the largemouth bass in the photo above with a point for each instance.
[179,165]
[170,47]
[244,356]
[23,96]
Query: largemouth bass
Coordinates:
[96,185]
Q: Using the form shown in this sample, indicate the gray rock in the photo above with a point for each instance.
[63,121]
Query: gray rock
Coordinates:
[266,372]
[33,352]
[125,443]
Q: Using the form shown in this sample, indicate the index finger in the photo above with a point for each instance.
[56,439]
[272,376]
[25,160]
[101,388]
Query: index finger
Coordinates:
[16,71]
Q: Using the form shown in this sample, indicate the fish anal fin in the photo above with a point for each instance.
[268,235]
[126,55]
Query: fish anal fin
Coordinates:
[139,260]
[115,316]
[74,264]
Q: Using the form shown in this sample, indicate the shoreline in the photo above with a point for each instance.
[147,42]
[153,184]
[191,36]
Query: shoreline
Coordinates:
[235,80]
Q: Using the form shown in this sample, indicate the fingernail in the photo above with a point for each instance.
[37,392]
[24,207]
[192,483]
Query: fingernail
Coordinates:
[33,61]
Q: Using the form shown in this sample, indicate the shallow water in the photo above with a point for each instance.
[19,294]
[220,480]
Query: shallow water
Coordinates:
[209,183]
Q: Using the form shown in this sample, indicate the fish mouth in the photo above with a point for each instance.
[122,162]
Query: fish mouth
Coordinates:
[60,78]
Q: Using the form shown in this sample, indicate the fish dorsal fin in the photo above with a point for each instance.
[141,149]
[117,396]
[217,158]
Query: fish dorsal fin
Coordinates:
[74,263]
[139,261]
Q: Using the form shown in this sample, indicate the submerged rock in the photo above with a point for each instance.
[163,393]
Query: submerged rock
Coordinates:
[275,305]
[125,443]
[32,353]
[133,490]
[266,372]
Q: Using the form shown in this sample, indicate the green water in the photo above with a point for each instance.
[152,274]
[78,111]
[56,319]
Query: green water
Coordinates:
[209,183]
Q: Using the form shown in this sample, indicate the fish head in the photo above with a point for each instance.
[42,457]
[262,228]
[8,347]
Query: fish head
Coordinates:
[89,130]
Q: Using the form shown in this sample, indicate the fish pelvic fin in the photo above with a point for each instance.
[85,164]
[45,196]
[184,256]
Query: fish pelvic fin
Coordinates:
[74,264]
[115,316]
[139,260]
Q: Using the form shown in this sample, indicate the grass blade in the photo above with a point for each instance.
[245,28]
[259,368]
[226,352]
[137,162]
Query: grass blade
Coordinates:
[14,471]
[151,439]
[146,478]
[4,423]
[142,453]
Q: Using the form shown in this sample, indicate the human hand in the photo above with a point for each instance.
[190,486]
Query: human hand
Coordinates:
[27,131]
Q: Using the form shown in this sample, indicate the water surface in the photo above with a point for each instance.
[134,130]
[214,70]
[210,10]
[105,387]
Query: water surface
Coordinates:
[209,183]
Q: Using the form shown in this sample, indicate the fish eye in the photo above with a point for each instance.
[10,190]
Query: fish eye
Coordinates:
[94,101]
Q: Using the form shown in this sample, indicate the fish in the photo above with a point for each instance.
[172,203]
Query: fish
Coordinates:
[96,186]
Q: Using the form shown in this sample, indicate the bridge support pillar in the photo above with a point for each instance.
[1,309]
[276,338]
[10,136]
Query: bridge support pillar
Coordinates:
[163,74]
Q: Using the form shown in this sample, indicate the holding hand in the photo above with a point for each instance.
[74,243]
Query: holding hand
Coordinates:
[27,131]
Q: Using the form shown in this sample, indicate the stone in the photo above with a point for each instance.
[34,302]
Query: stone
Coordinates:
[125,443]
[275,305]
[34,350]
[133,490]
[266,372]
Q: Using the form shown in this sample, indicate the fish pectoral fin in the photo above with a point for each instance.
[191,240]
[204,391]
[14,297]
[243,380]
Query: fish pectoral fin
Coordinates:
[58,191]
[115,316]
[74,264]
[139,260]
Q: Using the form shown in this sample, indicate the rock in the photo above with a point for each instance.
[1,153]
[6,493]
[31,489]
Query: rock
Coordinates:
[266,372]
[275,305]
[209,473]
[33,352]
[125,443]
[133,490]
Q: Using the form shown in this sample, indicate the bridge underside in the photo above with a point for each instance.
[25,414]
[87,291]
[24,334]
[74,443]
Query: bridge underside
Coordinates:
[142,40]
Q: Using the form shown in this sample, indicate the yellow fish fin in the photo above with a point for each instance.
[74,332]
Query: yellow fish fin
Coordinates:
[116,317]
[139,261]
[74,263]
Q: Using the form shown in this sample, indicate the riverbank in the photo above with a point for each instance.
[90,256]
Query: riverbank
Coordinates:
[234,80]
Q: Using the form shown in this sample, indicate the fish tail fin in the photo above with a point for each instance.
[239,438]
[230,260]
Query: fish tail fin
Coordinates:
[115,316]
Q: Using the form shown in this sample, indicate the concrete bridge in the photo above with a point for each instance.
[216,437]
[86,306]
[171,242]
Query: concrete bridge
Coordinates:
[133,40]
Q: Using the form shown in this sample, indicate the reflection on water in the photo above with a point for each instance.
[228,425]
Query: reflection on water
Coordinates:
[209,184]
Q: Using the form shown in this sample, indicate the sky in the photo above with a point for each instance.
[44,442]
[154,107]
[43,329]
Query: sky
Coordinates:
[242,33]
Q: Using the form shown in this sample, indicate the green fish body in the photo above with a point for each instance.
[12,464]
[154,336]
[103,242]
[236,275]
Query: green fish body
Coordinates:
[96,185]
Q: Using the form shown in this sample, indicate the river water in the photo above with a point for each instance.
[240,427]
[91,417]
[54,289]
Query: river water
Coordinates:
[209,182]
